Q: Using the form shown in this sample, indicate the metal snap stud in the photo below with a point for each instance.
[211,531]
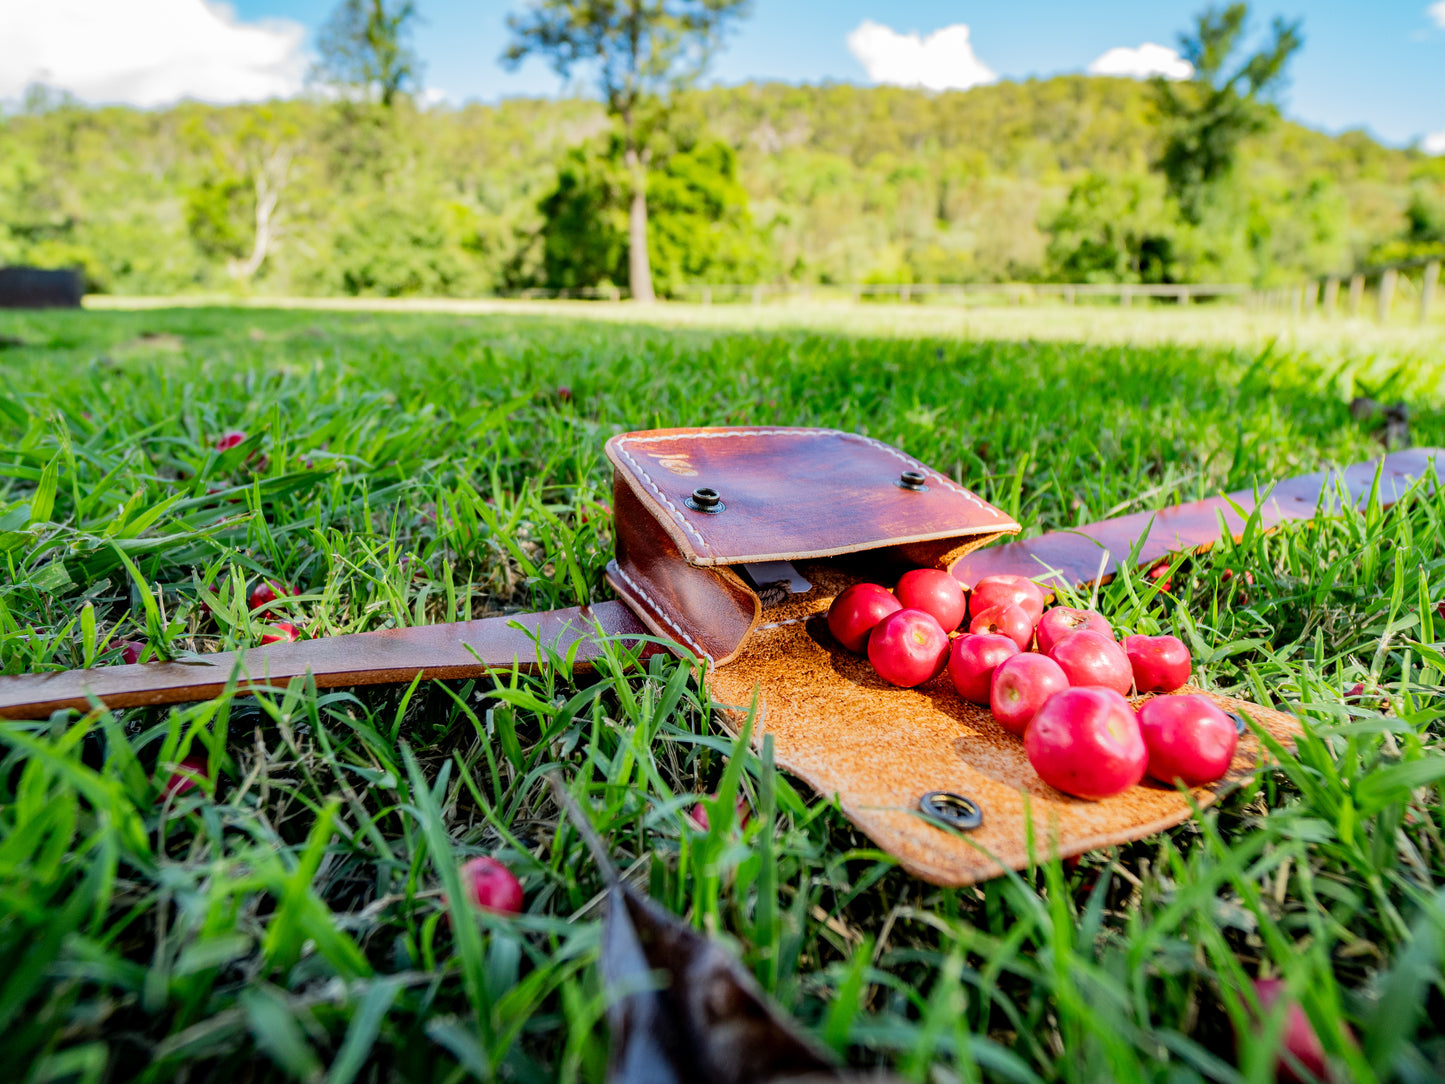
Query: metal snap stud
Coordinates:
[705,499]
[951,810]
[912,479]
[1239,726]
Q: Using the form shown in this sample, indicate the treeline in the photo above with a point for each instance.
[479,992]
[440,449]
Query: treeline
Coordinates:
[1045,179]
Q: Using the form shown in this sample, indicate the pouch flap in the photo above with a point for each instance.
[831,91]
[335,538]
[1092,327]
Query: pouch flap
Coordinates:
[842,729]
[788,493]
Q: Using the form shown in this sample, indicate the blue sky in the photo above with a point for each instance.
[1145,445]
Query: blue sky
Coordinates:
[1378,65]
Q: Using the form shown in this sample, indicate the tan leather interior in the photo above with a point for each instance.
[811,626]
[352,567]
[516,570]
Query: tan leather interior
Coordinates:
[843,730]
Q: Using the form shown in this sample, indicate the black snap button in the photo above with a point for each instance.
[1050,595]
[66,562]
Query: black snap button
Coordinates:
[707,500]
[1239,726]
[951,810]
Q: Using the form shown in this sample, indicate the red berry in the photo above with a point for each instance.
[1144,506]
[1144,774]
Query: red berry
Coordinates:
[934,592]
[907,648]
[178,784]
[131,651]
[281,631]
[491,886]
[1160,663]
[229,439]
[268,591]
[972,661]
[1007,590]
[1021,686]
[1010,621]
[1188,738]
[1086,742]
[855,612]
[1298,1038]
[699,816]
[1063,621]
[1091,659]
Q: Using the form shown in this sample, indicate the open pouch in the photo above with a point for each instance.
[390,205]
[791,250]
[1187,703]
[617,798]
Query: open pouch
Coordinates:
[705,518]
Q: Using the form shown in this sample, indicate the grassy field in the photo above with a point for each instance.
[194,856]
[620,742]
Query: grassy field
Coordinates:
[287,918]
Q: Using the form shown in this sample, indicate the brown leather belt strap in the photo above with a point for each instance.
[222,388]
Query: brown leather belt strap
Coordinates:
[1075,555]
[462,650]
[471,648]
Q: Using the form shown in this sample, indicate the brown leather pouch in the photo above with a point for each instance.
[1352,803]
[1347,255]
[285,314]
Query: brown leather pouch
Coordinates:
[842,509]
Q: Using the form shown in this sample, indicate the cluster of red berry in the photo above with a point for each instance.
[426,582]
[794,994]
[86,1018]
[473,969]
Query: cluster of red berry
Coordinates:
[1057,678]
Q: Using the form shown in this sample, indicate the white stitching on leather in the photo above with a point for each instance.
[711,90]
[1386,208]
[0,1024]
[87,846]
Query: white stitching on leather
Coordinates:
[686,526]
[790,621]
[662,613]
[945,482]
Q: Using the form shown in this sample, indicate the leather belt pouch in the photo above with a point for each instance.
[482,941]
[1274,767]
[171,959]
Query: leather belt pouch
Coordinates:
[837,506]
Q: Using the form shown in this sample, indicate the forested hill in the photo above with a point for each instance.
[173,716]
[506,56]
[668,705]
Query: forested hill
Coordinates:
[1045,178]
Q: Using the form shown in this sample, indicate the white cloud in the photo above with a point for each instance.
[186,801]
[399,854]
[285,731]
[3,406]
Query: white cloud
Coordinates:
[1434,143]
[942,61]
[147,52]
[1149,59]
[1436,11]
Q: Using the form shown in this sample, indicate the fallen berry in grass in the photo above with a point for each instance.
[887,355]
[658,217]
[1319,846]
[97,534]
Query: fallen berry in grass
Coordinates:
[698,813]
[491,886]
[179,782]
[281,631]
[268,591]
[229,439]
[1298,1039]
[564,393]
[131,651]
[1157,573]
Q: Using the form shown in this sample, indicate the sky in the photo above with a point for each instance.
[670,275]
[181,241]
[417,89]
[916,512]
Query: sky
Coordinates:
[1378,65]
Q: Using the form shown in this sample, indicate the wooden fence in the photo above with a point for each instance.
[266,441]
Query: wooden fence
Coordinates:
[1327,296]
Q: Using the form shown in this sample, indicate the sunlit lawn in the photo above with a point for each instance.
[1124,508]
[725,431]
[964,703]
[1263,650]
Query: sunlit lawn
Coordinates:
[290,907]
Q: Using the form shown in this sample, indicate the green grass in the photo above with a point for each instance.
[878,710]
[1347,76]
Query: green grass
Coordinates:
[288,919]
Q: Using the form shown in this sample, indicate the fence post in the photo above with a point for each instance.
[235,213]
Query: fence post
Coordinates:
[1311,293]
[1427,289]
[1357,293]
[905,293]
[857,294]
[1126,297]
[1332,294]
[1068,295]
[1184,296]
[707,295]
[757,295]
[1387,294]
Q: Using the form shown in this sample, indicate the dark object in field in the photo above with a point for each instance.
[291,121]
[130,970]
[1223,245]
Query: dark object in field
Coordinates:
[11,342]
[681,1009]
[38,288]
[1395,433]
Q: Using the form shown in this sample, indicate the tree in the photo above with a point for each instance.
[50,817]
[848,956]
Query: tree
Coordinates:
[1209,115]
[699,226]
[641,50]
[364,45]
[1114,229]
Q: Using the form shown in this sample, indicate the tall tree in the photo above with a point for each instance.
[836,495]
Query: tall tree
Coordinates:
[640,50]
[1210,114]
[365,45]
